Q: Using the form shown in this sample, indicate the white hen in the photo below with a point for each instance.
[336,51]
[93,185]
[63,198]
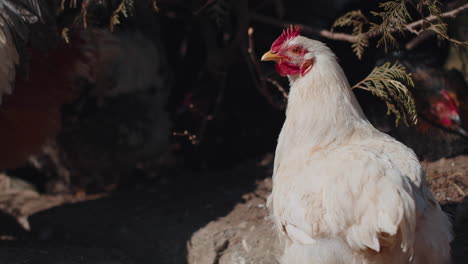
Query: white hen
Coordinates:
[343,192]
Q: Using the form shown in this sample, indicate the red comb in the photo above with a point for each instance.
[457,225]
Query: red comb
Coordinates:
[449,98]
[289,33]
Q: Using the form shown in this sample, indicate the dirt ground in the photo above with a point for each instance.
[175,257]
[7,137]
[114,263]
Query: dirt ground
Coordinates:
[448,179]
[153,221]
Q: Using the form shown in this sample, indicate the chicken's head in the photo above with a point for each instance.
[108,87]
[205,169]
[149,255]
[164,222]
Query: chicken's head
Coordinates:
[445,109]
[293,53]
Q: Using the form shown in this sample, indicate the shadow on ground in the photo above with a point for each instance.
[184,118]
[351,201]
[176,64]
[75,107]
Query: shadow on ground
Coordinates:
[149,224]
[458,213]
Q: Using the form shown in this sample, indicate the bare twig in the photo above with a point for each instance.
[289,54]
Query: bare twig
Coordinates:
[280,88]
[306,29]
[412,30]
[460,190]
[84,13]
[449,14]
[412,27]
[257,74]
[186,134]
[205,6]
[419,39]
[359,85]
[222,61]
[217,108]
[196,139]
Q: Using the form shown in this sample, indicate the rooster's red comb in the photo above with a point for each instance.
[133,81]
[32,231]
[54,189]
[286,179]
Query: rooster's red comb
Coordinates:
[453,104]
[289,33]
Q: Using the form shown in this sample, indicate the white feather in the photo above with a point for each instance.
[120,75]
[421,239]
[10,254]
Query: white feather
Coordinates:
[343,185]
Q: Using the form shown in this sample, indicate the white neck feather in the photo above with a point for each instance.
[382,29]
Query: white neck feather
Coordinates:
[322,108]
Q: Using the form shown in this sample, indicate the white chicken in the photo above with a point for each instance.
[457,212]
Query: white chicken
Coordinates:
[343,192]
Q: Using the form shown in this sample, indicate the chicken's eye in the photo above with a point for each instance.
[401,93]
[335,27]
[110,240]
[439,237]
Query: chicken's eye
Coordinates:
[296,50]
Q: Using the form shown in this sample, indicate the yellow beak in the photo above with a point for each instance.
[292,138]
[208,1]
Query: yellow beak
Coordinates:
[269,56]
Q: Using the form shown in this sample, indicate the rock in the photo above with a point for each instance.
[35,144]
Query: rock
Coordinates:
[244,236]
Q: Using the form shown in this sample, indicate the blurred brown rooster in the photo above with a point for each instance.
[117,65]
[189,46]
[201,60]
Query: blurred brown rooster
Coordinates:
[441,100]
[31,99]
[114,86]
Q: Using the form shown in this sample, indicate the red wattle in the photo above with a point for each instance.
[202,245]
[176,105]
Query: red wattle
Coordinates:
[446,122]
[285,68]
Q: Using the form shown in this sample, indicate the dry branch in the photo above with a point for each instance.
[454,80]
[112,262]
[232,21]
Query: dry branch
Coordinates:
[412,27]
[257,73]
[419,39]
[278,86]
[306,29]
[449,14]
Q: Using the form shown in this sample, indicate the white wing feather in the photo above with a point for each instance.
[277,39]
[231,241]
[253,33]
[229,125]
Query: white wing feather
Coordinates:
[354,192]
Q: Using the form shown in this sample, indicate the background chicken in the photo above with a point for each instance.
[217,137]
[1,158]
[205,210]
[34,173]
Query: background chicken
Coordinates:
[374,207]
[440,97]
[119,123]
[79,78]
[31,99]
